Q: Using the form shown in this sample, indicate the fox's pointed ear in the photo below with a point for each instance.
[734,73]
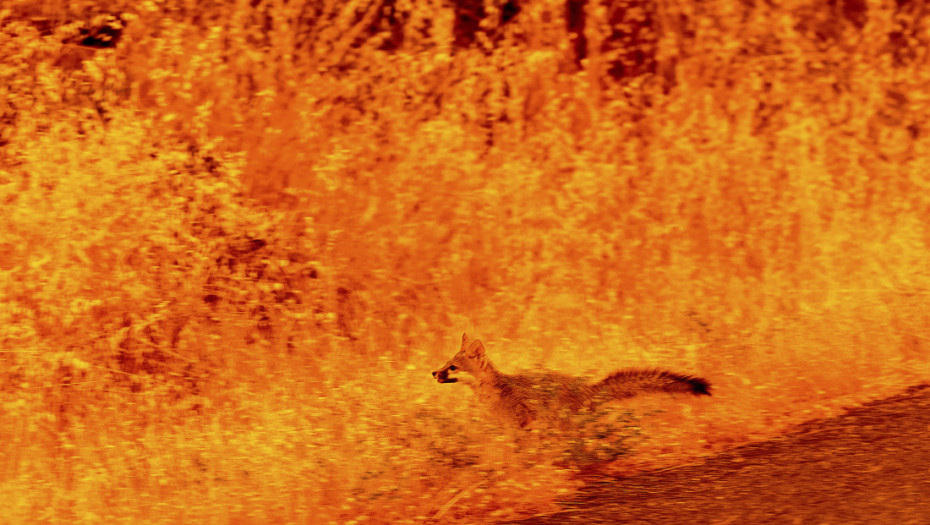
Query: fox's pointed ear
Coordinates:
[475,349]
[464,341]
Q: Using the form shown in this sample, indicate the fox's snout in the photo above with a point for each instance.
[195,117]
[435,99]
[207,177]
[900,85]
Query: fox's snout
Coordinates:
[442,376]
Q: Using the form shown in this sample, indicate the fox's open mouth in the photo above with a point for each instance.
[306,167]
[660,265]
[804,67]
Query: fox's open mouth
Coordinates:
[442,376]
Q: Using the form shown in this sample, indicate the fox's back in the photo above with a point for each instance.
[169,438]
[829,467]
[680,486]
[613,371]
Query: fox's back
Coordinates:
[547,394]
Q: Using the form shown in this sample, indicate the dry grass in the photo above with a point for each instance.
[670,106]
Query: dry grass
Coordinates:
[236,243]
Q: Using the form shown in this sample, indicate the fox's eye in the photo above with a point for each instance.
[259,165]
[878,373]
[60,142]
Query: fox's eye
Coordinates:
[453,367]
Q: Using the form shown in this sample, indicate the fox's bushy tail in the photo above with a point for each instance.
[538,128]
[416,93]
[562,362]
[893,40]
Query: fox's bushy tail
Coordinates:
[633,382]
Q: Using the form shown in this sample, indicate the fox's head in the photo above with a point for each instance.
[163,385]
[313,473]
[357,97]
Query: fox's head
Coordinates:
[469,359]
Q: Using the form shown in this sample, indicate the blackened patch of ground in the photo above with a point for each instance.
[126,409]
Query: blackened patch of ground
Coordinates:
[870,465]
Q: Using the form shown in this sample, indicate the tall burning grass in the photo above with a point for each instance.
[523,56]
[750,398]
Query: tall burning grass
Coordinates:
[238,236]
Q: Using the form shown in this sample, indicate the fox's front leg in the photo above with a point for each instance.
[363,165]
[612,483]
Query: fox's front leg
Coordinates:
[522,415]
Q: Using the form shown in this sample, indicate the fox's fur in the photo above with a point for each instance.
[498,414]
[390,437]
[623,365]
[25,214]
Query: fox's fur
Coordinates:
[524,398]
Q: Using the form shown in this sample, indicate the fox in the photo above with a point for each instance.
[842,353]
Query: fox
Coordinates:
[522,399]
